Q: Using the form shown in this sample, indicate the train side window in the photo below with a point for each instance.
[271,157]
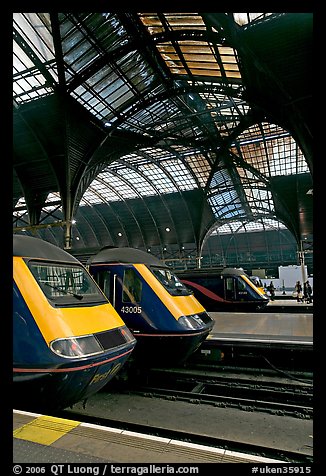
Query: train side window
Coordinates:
[102,278]
[229,288]
[132,286]
[229,284]
[241,285]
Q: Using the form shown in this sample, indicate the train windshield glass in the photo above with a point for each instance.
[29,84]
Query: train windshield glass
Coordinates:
[171,282]
[66,284]
[256,281]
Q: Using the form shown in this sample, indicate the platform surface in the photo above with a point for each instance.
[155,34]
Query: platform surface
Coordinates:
[45,439]
[272,325]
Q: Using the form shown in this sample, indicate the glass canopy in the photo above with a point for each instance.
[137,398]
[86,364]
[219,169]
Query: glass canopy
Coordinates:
[180,85]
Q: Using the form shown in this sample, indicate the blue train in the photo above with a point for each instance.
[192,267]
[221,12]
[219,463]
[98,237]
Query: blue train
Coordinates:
[68,340]
[162,313]
[224,289]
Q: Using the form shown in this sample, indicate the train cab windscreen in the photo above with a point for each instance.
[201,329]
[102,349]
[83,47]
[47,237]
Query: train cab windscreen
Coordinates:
[63,284]
[171,282]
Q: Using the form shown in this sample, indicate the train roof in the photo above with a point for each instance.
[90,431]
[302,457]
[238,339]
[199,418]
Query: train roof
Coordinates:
[32,247]
[210,272]
[125,255]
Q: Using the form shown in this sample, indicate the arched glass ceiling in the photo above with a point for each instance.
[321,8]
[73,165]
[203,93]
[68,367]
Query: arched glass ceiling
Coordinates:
[264,150]
[190,95]
[149,172]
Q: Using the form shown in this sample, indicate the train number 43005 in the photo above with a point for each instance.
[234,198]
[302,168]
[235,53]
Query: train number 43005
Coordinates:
[130,309]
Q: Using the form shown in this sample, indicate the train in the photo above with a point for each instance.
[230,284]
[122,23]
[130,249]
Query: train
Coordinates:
[68,340]
[164,316]
[224,289]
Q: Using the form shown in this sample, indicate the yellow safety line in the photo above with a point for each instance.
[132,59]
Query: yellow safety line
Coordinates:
[45,429]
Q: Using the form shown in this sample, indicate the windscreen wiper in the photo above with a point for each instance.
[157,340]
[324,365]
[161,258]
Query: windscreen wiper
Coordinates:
[64,291]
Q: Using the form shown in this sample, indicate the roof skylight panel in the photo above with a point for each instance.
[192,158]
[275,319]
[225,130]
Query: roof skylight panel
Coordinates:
[228,228]
[21,61]
[226,207]
[107,29]
[221,177]
[118,184]
[254,155]
[91,195]
[31,85]
[175,21]
[157,152]
[200,168]
[274,153]
[28,81]
[181,175]
[138,181]
[36,34]
[259,199]
[159,178]
[53,197]
[138,72]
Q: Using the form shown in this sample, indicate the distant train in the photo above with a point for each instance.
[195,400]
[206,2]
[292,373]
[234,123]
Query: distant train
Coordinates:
[224,289]
[68,340]
[163,314]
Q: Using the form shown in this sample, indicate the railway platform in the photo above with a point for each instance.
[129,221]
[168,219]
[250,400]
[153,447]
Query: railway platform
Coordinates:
[275,326]
[276,338]
[46,439]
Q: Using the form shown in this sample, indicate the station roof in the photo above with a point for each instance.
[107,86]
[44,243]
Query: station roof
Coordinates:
[155,128]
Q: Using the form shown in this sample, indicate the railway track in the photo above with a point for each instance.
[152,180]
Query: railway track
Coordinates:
[240,389]
[254,392]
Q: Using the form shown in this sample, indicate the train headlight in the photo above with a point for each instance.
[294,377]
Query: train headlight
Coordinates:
[193,322]
[76,346]
[126,333]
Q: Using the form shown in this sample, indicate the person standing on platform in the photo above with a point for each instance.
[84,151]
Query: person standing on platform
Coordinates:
[305,292]
[309,293]
[271,289]
[298,290]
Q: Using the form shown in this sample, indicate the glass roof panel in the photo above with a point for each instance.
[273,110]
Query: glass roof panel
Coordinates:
[226,205]
[20,209]
[92,196]
[181,175]
[200,167]
[259,200]
[35,29]
[270,150]
[32,36]
[190,57]
[53,202]
[162,182]
[223,197]
[153,21]
[108,84]
[226,111]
